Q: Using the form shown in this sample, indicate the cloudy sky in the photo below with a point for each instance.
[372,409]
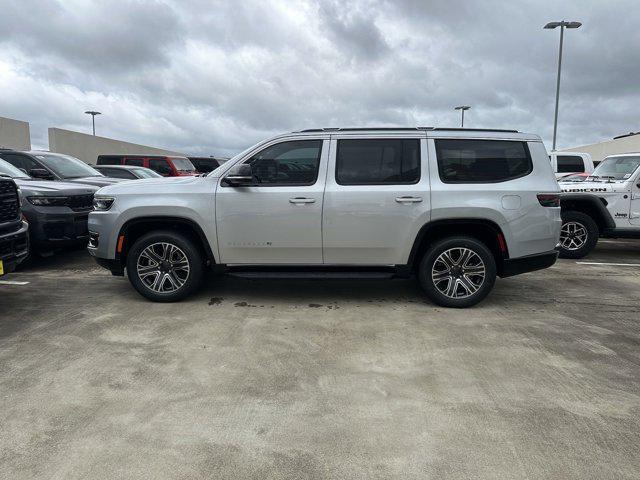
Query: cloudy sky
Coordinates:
[212,77]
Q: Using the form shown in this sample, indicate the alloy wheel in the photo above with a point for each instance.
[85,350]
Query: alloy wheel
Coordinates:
[163,267]
[458,272]
[573,236]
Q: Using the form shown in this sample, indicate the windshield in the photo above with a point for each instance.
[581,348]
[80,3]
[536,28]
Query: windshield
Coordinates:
[183,164]
[66,166]
[146,173]
[618,168]
[13,172]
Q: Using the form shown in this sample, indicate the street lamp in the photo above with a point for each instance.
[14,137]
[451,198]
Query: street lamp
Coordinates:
[551,26]
[93,119]
[462,108]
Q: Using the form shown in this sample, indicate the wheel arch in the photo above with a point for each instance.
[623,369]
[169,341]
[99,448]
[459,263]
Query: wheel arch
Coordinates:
[591,205]
[136,227]
[486,231]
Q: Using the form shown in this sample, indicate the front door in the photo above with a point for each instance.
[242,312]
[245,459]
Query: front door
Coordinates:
[377,196]
[278,220]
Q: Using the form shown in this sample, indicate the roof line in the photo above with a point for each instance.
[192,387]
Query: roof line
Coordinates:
[410,129]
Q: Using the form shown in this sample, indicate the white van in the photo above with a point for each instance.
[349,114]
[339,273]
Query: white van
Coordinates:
[566,163]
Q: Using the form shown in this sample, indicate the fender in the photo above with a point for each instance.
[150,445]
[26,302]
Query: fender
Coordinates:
[431,226]
[172,219]
[595,202]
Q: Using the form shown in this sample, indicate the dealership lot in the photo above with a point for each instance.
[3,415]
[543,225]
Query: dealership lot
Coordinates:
[322,379]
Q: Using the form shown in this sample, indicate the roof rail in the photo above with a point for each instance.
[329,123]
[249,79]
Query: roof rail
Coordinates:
[409,129]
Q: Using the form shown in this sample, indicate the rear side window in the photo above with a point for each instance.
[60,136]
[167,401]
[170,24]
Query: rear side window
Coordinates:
[378,161]
[109,160]
[136,162]
[570,164]
[482,161]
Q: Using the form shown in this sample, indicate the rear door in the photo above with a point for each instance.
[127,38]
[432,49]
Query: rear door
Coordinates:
[377,197]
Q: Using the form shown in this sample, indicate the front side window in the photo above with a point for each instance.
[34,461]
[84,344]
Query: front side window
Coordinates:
[390,161]
[13,172]
[570,164]
[108,160]
[160,165]
[146,173]
[287,163]
[482,161]
[21,162]
[66,166]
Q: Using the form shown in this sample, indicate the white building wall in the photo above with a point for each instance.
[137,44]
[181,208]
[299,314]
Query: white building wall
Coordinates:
[88,147]
[14,134]
[599,151]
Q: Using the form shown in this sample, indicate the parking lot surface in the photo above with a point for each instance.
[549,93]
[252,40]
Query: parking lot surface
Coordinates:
[322,379]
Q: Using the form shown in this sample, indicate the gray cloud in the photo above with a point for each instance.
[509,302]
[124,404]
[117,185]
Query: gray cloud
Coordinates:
[213,77]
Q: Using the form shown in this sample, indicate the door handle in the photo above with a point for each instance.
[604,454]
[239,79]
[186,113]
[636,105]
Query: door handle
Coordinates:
[408,199]
[302,200]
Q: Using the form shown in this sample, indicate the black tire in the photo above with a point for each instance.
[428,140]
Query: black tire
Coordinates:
[462,281]
[568,247]
[191,280]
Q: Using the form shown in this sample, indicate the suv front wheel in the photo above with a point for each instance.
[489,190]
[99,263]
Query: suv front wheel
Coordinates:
[457,272]
[164,266]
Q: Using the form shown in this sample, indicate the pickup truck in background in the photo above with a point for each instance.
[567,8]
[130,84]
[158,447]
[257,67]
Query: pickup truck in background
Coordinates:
[565,163]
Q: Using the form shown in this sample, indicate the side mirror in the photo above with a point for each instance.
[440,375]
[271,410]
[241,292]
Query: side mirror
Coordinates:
[41,173]
[240,176]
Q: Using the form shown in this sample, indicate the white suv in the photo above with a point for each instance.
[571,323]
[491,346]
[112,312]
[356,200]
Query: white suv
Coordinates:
[456,207]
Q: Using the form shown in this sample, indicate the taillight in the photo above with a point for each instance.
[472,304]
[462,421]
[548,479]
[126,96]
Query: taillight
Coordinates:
[549,199]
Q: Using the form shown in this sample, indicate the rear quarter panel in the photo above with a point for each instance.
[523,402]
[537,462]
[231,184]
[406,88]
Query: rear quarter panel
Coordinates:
[513,205]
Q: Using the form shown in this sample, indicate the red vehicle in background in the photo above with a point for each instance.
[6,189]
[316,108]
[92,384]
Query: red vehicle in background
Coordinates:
[167,166]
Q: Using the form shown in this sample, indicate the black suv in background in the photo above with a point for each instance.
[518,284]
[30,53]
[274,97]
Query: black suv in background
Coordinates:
[57,212]
[14,240]
[56,166]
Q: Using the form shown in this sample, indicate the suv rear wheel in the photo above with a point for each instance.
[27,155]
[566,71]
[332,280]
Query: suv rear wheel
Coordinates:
[164,266]
[457,272]
[578,235]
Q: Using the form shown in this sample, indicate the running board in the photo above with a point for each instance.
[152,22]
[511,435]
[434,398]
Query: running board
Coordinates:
[332,272]
[314,275]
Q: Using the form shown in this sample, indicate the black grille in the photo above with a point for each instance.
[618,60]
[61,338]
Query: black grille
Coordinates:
[80,203]
[9,203]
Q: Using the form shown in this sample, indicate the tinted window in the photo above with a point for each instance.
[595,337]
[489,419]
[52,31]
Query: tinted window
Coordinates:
[136,162]
[13,172]
[109,160]
[287,163]
[379,161]
[570,164]
[20,161]
[482,161]
[160,165]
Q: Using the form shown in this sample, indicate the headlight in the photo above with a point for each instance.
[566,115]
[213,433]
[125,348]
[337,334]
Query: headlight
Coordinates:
[48,201]
[102,203]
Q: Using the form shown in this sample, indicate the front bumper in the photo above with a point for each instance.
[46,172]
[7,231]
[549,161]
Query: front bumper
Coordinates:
[14,247]
[529,263]
[49,230]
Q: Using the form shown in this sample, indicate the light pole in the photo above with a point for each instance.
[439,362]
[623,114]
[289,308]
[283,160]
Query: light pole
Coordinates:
[93,114]
[562,25]
[462,108]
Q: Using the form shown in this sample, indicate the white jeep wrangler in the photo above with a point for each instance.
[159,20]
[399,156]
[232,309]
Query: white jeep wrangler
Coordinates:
[456,207]
[606,204]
